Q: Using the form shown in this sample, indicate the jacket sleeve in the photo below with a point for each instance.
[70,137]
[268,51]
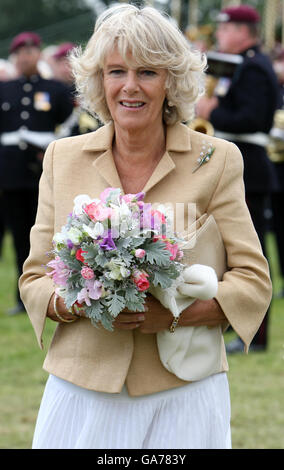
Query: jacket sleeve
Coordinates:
[36,287]
[245,292]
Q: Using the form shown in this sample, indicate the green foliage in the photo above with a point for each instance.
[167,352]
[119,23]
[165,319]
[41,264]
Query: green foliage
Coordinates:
[157,254]
[116,304]
[55,20]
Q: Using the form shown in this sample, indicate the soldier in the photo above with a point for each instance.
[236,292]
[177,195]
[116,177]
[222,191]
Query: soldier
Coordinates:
[30,109]
[61,65]
[244,115]
[80,121]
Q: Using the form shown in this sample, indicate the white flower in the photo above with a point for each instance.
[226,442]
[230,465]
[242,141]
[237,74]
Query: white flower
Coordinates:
[124,271]
[74,235]
[61,237]
[117,270]
[124,210]
[94,232]
[80,201]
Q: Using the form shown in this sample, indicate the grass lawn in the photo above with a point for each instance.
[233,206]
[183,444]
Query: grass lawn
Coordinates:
[256,380]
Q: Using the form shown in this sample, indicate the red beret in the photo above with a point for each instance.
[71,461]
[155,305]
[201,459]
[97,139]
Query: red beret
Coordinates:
[26,38]
[63,50]
[241,14]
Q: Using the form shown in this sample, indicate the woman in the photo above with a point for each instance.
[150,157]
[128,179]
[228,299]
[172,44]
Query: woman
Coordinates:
[110,389]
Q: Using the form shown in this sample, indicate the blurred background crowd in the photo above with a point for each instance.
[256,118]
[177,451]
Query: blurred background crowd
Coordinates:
[243,101]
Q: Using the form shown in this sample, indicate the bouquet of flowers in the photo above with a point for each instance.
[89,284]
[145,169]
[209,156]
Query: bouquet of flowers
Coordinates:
[111,252]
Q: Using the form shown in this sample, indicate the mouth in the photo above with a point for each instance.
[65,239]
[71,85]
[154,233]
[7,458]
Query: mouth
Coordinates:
[132,104]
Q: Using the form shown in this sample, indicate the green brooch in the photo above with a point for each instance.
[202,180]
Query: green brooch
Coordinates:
[205,155]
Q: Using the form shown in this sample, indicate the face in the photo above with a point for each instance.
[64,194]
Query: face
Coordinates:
[134,95]
[62,70]
[279,70]
[230,37]
[26,59]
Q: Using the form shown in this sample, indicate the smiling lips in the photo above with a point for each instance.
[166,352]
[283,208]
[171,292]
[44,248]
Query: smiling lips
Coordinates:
[132,104]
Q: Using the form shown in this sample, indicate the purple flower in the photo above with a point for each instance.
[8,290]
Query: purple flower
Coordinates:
[149,218]
[93,290]
[69,244]
[107,243]
[140,196]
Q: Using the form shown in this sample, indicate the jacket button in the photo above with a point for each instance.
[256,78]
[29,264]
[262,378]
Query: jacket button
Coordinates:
[5,106]
[27,87]
[25,100]
[25,115]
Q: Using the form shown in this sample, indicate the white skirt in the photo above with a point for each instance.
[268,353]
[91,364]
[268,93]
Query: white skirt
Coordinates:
[195,416]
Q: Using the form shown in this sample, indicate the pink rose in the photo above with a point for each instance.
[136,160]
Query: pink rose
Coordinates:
[87,273]
[173,249]
[98,211]
[140,253]
[141,281]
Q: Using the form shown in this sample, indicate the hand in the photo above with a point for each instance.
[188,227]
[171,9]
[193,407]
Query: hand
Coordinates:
[200,282]
[62,310]
[154,319]
[203,313]
[205,106]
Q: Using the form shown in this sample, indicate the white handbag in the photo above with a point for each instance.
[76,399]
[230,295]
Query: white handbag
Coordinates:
[193,353]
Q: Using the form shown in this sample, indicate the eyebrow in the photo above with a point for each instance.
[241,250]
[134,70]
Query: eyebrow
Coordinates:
[110,66]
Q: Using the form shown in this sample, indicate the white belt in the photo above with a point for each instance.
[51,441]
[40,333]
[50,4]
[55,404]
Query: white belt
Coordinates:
[277,133]
[257,138]
[39,139]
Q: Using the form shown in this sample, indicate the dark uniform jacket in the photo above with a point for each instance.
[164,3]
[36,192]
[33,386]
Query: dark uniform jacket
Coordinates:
[28,104]
[248,107]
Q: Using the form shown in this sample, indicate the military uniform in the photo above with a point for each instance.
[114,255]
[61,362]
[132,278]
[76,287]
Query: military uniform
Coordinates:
[30,110]
[244,116]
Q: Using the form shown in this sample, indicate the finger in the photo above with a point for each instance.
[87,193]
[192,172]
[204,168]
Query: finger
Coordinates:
[126,326]
[130,317]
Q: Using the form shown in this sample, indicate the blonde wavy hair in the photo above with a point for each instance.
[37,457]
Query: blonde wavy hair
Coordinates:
[154,41]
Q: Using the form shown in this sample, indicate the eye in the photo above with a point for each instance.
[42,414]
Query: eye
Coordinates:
[147,73]
[116,72]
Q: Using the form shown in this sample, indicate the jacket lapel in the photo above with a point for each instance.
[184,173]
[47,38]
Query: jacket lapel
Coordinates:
[177,140]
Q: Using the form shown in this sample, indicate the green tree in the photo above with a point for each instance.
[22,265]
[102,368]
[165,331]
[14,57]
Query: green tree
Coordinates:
[54,20]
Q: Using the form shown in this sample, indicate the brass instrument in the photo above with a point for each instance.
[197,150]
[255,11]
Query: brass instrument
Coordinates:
[199,124]
[221,69]
[202,125]
[275,148]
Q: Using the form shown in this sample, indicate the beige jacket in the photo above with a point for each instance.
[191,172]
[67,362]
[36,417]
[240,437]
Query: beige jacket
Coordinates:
[101,360]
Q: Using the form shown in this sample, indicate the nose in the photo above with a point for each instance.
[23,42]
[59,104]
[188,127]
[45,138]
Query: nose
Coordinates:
[131,82]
